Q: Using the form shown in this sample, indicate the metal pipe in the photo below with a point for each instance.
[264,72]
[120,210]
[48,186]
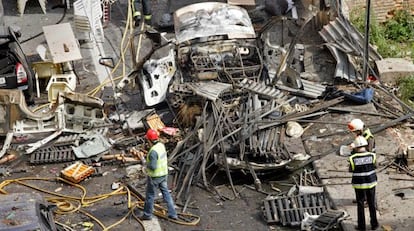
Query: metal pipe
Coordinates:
[366,45]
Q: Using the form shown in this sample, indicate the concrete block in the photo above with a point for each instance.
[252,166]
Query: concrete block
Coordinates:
[410,152]
[410,163]
[392,69]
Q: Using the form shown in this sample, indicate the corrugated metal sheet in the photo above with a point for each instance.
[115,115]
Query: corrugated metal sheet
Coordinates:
[347,46]
[209,89]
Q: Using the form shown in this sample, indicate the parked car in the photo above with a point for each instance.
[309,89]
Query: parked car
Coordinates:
[15,71]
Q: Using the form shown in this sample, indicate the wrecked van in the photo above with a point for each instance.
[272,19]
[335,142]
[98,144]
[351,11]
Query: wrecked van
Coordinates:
[213,73]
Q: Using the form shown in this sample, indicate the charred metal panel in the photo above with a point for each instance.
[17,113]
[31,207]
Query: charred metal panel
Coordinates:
[222,60]
[203,20]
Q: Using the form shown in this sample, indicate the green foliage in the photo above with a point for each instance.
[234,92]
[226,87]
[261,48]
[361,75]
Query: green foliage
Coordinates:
[406,90]
[401,27]
[394,38]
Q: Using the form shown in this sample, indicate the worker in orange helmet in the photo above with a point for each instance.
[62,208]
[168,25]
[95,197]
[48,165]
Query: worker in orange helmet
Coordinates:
[357,127]
[157,171]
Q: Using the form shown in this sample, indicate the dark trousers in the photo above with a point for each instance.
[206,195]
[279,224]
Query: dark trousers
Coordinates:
[146,6]
[369,195]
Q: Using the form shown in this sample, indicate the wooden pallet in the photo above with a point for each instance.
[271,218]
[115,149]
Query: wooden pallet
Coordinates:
[77,172]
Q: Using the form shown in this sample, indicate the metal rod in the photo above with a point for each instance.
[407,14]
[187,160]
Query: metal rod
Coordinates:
[366,47]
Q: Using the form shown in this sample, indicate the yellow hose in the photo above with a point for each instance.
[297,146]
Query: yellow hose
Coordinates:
[70,204]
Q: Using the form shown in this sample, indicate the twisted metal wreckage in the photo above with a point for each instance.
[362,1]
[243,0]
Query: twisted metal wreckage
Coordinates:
[232,91]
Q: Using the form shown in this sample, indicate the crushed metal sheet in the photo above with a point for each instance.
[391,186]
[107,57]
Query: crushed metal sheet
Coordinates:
[134,119]
[94,145]
[346,44]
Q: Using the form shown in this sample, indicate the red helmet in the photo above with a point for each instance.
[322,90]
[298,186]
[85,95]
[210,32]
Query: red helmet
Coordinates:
[152,134]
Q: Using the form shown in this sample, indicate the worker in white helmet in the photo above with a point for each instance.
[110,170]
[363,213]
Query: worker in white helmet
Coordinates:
[357,127]
[362,164]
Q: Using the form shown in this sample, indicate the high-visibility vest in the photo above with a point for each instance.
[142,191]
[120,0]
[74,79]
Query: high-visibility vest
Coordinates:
[162,165]
[370,138]
[363,170]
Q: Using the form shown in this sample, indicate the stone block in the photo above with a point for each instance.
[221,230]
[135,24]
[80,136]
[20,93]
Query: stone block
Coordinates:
[392,69]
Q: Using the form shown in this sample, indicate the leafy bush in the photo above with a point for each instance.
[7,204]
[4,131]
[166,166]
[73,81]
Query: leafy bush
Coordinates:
[401,27]
[394,38]
[406,90]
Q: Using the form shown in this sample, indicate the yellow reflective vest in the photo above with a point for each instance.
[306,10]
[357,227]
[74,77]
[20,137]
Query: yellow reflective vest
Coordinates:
[162,165]
[362,166]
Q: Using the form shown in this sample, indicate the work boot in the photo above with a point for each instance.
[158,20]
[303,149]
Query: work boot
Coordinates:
[359,228]
[173,218]
[374,227]
[145,218]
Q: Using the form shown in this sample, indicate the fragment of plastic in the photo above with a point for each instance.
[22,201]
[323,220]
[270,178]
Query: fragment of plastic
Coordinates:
[87,18]
[294,129]
[21,5]
[359,141]
[345,150]
[170,131]
[363,97]
[159,73]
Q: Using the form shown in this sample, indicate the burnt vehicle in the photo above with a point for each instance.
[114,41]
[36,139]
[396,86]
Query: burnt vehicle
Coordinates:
[214,72]
[15,71]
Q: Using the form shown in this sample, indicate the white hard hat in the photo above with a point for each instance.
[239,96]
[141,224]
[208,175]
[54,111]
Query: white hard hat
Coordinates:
[355,125]
[359,141]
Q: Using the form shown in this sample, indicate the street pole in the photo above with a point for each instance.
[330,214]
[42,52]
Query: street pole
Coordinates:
[366,48]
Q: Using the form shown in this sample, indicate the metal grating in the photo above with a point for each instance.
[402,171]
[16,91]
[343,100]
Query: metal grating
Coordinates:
[289,211]
[52,154]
